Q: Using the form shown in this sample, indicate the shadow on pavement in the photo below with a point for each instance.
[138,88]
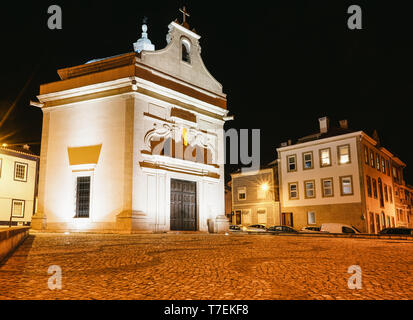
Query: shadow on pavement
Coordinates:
[20,253]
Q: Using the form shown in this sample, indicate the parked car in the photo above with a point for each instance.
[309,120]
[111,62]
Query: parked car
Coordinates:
[255,228]
[397,231]
[311,229]
[281,229]
[234,228]
[338,228]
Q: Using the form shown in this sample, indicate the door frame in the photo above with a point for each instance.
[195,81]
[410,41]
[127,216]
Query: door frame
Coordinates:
[196,202]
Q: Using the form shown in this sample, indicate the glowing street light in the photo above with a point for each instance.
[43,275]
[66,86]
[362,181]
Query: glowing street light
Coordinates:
[265,187]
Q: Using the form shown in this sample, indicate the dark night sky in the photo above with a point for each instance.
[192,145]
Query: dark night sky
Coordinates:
[283,64]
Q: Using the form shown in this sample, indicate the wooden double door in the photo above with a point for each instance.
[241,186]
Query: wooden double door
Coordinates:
[183,206]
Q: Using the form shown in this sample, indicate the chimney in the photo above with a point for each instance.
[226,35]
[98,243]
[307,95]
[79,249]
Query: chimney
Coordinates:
[344,124]
[290,142]
[26,147]
[324,124]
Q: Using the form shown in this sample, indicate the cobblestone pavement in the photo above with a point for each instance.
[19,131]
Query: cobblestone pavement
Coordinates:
[207,267]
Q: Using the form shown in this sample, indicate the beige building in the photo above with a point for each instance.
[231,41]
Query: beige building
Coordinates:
[18,185]
[337,175]
[255,197]
[134,142]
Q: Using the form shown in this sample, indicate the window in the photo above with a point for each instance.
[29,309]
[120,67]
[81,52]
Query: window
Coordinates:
[262,216]
[311,217]
[293,188]
[328,190]
[344,154]
[325,158]
[186,51]
[388,222]
[366,155]
[395,174]
[246,217]
[372,159]
[309,187]
[375,188]
[346,186]
[369,191]
[383,220]
[17,208]
[83,197]
[388,167]
[391,194]
[308,161]
[381,193]
[383,165]
[292,163]
[242,194]
[386,193]
[20,171]
[377,162]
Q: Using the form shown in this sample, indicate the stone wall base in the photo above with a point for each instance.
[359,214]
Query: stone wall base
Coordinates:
[350,214]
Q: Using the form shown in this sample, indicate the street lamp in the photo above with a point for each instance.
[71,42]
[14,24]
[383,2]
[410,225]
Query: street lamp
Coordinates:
[265,187]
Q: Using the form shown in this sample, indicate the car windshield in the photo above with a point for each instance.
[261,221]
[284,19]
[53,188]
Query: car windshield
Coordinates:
[356,229]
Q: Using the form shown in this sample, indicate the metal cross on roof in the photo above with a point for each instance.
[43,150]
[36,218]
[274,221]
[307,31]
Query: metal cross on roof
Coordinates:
[184,13]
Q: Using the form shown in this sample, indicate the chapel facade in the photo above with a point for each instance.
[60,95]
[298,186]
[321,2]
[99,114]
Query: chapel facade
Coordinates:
[134,142]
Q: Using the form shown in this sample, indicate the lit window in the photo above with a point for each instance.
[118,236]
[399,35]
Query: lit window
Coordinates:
[293,187]
[325,157]
[383,165]
[377,162]
[242,194]
[18,208]
[395,174]
[20,171]
[328,190]
[308,160]
[292,163]
[346,186]
[309,189]
[372,159]
[311,217]
[344,154]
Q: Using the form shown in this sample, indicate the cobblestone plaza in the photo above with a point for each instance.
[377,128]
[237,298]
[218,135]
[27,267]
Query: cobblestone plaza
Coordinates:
[207,267]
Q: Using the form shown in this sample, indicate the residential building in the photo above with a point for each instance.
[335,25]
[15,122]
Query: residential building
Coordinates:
[134,142]
[255,197]
[337,175]
[18,185]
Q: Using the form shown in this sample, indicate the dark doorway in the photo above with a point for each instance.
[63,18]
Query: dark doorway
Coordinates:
[287,220]
[183,206]
[371,219]
[238,217]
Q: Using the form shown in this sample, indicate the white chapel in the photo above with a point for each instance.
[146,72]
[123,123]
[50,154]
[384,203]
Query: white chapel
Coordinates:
[134,142]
